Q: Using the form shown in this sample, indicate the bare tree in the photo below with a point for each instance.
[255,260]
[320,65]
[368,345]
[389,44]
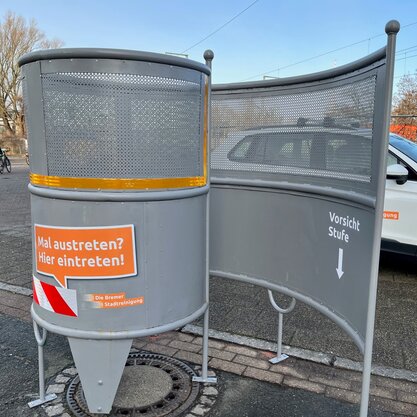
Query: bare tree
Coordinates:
[17,37]
[405,106]
[231,116]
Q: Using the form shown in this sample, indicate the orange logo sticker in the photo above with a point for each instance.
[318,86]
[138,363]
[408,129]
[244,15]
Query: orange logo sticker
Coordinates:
[84,252]
[391,215]
[115,300]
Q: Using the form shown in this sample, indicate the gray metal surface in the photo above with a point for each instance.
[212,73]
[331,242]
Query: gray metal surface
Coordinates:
[208,56]
[108,115]
[309,189]
[154,109]
[105,53]
[167,266]
[121,114]
[318,76]
[391,29]
[122,334]
[285,242]
[34,116]
[281,311]
[100,366]
[170,252]
[156,120]
[295,168]
[117,196]
[317,133]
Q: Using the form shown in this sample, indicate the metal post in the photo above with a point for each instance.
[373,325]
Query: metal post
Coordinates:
[391,29]
[41,340]
[281,311]
[279,339]
[208,56]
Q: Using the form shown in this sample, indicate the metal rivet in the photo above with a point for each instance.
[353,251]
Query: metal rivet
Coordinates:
[99,408]
[100,382]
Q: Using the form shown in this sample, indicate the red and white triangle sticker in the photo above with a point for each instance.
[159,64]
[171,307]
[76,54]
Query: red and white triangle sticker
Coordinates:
[56,299]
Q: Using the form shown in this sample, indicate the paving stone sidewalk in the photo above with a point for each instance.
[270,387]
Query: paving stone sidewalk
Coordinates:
[387,394]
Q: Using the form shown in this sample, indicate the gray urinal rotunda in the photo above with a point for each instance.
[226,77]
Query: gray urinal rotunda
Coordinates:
[118,182]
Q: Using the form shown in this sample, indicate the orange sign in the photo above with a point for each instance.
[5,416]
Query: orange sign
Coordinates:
[391,215]
[85,252]
[115,300]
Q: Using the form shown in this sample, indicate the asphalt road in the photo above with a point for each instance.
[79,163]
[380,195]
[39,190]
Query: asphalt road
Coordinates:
[244,397]
[19,366]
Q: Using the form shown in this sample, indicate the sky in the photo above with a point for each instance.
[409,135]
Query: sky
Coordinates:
[266,39]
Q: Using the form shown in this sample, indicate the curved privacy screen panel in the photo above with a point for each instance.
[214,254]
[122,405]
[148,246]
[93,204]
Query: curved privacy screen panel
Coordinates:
[294,171]
[318,132]
[114,117]
[156,119]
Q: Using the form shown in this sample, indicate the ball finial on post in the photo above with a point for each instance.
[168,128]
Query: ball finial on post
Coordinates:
[208,56]
[392,27]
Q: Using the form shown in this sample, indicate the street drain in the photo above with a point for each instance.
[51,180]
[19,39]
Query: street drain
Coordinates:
[152,385]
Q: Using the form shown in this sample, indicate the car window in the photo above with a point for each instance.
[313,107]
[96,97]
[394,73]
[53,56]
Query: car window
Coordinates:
[242,149]
[282,149]
[332,151]
[349,154]
[249,150]
[406,146]
[274,152]
[290,149]
[391,159]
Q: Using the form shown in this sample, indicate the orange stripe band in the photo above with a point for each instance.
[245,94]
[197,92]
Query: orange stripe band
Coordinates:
[116,183]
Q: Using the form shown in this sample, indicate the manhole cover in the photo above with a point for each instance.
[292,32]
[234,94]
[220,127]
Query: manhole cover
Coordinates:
[152,385]
[142,386]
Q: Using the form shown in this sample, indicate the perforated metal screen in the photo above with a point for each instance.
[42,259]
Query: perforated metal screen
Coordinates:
[312,134]
[297,180]
[103,125]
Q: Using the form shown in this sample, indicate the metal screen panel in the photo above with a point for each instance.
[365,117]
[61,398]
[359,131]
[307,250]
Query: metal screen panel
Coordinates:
[295,168]
[122,126]
[321,134]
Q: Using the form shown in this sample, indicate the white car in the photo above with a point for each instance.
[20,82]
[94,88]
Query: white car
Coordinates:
[399,230]
[331,151]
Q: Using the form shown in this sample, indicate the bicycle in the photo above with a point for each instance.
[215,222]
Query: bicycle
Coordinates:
[5,162]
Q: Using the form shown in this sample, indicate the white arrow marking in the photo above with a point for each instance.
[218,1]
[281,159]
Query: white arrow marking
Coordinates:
[339,268]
